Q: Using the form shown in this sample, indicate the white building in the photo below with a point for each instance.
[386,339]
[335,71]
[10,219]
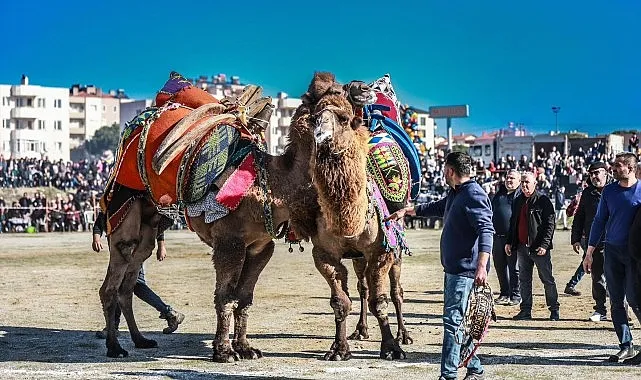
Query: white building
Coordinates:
[90,109]
[35,121]
[276,134]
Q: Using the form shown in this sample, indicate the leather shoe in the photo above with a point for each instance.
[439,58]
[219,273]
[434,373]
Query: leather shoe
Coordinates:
[554,315]
[636,360]
[571,291]
[624,353]
[523,315]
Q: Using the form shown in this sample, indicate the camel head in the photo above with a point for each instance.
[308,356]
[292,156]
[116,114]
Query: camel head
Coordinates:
[339,163]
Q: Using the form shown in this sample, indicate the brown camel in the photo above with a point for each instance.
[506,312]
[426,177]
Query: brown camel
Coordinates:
[349,223]
[241,245]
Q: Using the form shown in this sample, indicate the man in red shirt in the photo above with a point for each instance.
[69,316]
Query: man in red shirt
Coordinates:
[530,237]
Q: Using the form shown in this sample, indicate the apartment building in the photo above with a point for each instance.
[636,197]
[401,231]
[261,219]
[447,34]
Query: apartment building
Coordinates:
[35,121]
[91,109]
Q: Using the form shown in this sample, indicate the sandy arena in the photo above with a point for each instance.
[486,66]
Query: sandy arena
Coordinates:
[50,310]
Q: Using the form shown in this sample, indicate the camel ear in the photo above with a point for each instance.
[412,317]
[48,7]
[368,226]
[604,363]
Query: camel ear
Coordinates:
[357,122]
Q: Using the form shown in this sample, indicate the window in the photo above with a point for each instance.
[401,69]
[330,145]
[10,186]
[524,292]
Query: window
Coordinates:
[94,107]
[3,101]
[7,124]
[423,121]
[41,124]
[32,146]
[18,143]
[115,108]
[19,102]
[30,124]
[59,146]
[488,150]
[29,102]
[57,103]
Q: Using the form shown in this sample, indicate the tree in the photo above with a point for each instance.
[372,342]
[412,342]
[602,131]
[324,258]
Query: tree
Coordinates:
[105,138]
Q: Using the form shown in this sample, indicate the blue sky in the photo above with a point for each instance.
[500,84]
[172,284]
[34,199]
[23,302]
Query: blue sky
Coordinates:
[510,61]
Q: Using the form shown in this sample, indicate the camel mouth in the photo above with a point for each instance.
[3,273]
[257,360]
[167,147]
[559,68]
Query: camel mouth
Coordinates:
[322,136]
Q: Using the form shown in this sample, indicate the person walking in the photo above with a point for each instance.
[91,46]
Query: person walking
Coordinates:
[141,289]
[616,211]
[530,238]
[506,267]
[466,245]
[581,225]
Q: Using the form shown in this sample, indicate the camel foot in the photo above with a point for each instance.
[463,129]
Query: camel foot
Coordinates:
[403,337]
[338,352]
[225,354]
[392,351]
[359,334]
[246,351]
[145,343]
[117,352]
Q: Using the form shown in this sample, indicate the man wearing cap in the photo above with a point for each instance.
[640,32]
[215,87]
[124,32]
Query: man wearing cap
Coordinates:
[585,212]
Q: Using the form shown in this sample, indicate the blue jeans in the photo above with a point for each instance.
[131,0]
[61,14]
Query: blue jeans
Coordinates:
[144,292]
[620,274]
[456,294]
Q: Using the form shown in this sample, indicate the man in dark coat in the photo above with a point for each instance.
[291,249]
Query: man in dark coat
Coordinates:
[530,238]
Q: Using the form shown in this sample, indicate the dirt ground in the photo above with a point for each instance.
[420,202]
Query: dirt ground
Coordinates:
[50,310]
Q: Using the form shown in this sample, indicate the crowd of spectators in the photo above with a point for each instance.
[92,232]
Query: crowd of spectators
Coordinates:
[558,175]
[78,185]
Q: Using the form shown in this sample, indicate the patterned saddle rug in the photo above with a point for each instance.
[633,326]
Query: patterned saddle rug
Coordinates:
[394,163]
[177,149]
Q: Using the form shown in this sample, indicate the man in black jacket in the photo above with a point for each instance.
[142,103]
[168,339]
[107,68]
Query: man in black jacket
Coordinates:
[585,212]
[506,266]
[530,238]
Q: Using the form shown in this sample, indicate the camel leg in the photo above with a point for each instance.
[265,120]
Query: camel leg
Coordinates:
[402,337]
[109,298]
[228,256]
[335,274]
[255,262]
[125,295]
[122,244]
[377,270]
[361,327]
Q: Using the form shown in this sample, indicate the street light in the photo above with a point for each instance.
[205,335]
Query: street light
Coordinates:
[556,110]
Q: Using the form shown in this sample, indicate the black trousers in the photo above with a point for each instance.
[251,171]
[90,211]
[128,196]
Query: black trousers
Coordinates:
[506,268]
[543,264]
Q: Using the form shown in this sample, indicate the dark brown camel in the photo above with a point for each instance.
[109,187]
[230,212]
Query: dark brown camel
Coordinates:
[241,247]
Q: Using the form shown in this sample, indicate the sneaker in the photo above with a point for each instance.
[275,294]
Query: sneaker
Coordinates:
[514,301]
[571,291]
[598,317]
[636,360]
[102,334]
[624,353]
[474,376]
[502,300]
[173,318]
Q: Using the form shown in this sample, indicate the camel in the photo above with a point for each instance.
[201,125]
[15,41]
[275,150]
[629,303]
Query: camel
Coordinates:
[241,244]
[349,223]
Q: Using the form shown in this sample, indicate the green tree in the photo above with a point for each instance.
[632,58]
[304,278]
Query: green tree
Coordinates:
[105,138]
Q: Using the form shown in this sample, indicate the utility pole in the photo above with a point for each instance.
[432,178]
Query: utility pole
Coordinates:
[556,110]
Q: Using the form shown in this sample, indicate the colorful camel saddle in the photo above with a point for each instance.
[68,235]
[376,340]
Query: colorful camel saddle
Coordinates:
[394,162]
[176,150]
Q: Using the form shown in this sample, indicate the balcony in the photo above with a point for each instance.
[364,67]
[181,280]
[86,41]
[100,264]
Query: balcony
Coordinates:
[73,114]
[26,113]
[77,131]
[24,90]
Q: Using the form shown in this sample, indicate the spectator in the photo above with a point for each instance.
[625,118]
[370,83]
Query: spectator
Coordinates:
[530,238]
[581,225]
[506,266]
[618,205]
[560,206]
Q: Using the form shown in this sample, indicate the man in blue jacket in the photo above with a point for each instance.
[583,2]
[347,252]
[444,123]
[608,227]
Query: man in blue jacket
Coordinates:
[614,216]
[466,245]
